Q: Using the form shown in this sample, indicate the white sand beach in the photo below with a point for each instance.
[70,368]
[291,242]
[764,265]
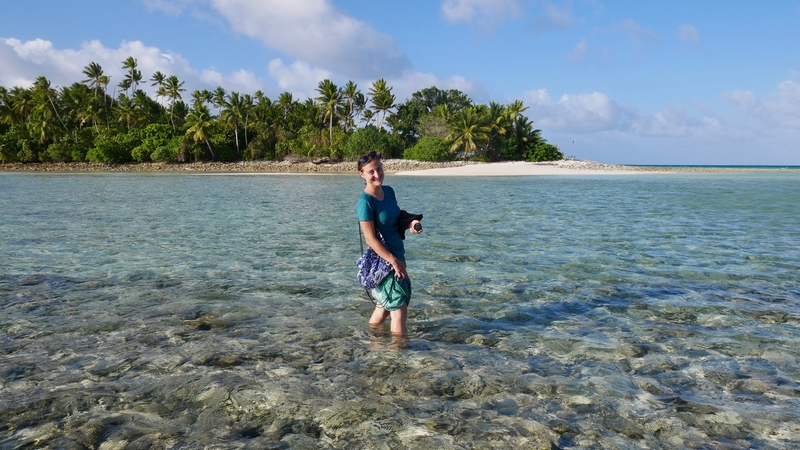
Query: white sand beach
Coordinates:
[566,167]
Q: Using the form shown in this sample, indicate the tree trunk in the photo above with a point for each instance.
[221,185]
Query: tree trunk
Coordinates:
[171,109]
[209,149]
[236,134]
[246,119]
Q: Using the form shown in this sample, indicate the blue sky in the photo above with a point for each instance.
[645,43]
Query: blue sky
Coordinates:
[680,82]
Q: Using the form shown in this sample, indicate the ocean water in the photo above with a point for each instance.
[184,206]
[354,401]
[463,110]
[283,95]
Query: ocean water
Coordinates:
[189,311]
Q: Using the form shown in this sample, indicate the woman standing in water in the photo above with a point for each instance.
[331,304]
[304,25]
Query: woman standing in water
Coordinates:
[378,211]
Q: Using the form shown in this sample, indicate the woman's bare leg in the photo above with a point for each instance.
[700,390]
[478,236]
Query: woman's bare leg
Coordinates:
[399,317]
[378,316]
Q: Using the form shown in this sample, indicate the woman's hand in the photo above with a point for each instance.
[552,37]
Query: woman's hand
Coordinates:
[413,227]
[399,268]
[368,228]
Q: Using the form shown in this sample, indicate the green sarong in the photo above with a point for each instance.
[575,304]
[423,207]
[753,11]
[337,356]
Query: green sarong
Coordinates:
[392,293]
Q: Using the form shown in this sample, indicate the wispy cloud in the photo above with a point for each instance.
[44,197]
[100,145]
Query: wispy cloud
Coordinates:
[688,33]
[636,33]
[171,7]
[781,112]
[553,17]
[486,13]
[577,54]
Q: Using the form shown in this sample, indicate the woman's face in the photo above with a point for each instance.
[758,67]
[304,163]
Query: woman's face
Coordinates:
[372,173]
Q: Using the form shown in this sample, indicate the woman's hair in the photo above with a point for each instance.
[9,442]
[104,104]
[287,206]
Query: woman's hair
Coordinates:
[367,158]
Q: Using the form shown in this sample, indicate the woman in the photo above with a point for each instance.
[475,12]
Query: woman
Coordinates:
[378,211]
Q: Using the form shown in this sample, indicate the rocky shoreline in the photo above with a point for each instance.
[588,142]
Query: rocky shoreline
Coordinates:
[295,166]
[390,165]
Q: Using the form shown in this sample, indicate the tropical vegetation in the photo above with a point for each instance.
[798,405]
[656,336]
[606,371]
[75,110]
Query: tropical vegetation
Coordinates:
[91,121]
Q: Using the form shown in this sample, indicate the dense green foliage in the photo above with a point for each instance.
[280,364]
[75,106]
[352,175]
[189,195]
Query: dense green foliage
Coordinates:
[370,138]
[82,122]
[429,149]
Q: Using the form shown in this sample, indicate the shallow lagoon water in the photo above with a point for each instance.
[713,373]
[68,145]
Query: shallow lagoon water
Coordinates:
[186,311]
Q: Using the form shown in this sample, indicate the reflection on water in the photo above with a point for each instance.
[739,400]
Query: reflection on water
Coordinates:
[169,311]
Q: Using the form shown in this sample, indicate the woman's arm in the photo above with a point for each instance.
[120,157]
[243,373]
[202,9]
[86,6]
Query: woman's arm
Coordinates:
[368,228]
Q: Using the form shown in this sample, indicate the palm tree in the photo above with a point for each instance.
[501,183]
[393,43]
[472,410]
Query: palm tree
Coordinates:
[79,105]
[310,113]
[147,110]
[125,85]
[104,81]
[6,113]
[94,75]
[350,92]
[469,130]
[525,136]
[515,108]
[285,101]
[158,80]
[172,89]
[330,97]
[218,98]
[232,114]
[359,104]
[22,103]
[498,122]
[442,111]
[367,117]
[125,110]
[199,124]
[133,77]
[200,97]
[247,108]
[382,99]
[42,89]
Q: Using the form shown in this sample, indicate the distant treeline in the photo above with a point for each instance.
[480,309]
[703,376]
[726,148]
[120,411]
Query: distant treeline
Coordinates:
[84,122]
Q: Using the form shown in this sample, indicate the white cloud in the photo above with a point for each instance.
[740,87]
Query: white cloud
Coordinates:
[782,112]
[553,18]
[299,78]
[316,32]
[561,18]
[577,54]
[171,7]
[482,12]
[579,113]
[673,121]
[22,62]
[596,112]
[636,33]
[688,33]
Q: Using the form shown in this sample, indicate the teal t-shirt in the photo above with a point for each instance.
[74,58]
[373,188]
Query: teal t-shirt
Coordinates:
[384,213]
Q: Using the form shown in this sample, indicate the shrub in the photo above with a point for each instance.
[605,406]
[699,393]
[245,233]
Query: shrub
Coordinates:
[222,141]
[542,151]
[369,139]
[62,150]
[158,144]
[17,145]
[429,149]
[312,142]
[109,148]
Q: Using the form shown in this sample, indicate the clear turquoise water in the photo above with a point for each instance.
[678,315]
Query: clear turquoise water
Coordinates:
[164,311]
